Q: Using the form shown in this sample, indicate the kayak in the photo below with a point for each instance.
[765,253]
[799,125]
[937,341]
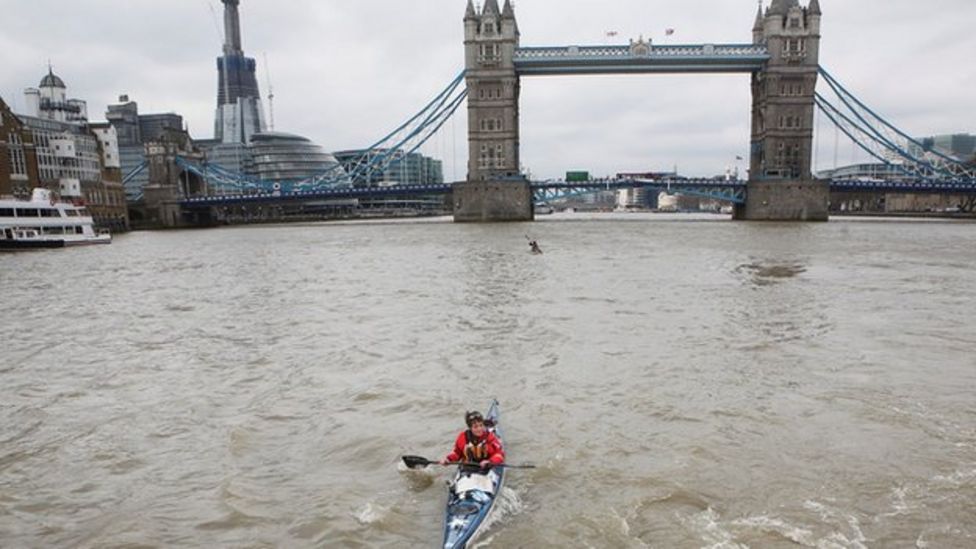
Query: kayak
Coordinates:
[471,496]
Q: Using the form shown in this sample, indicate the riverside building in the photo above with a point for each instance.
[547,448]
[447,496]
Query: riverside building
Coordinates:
[135,131]
[56,148]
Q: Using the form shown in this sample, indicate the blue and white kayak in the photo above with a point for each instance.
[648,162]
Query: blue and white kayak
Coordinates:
[471,496]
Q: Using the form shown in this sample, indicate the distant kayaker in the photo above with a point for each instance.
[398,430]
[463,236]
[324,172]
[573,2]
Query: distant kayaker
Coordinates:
[534,246]
[476,444]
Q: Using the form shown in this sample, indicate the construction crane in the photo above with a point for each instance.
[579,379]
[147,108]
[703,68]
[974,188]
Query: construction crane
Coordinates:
[267,73]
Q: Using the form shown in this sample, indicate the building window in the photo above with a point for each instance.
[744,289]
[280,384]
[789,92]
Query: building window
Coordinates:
[18,162]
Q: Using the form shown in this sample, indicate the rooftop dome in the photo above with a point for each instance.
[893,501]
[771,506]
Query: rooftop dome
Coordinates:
[52,80]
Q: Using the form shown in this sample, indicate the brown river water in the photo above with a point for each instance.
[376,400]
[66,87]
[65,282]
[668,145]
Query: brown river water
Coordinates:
[680,381]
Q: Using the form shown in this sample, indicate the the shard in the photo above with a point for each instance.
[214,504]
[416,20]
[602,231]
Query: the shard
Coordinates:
[239,112]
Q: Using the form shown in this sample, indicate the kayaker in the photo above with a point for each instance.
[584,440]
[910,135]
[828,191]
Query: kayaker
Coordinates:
[535,247]
[476,444]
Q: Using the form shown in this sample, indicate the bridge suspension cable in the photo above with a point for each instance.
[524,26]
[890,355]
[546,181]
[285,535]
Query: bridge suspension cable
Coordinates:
[884,141]
[412,134]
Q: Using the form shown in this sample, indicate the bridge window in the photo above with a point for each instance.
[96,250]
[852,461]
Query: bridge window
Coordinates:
[791,88]
[491,125]
[489,52]
[489,93]
[492,156]
[789,122]
[794,46]
[484,159]
[788,159]
[794,22]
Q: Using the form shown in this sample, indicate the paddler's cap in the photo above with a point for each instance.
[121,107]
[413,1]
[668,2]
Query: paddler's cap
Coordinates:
[472,417]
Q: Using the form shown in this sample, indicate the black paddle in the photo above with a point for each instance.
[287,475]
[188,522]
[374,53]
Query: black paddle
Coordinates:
[413,462]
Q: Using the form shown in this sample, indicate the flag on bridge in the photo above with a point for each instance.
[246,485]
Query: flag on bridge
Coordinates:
[611,33]
[738,158]
[668,32]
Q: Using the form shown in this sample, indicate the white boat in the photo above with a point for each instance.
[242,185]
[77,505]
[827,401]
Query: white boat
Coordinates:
[542,208]
[45,222]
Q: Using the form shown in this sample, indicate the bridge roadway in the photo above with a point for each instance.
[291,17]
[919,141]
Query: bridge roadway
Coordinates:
[731,190]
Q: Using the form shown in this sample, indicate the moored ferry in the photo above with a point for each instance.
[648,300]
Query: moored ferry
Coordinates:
[44,222]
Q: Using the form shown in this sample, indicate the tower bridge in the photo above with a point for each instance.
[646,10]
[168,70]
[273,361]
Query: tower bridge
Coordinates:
[783,60]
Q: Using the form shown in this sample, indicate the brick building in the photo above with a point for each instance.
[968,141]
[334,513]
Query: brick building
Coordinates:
[18,161]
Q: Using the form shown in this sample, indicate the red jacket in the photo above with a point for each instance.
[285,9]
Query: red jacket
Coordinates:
[488,446]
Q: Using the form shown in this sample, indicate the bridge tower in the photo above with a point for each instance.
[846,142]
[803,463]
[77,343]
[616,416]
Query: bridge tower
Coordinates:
[495,189]
[169,183]
[781,185]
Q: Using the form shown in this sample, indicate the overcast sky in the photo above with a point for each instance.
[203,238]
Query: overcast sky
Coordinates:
[345,72]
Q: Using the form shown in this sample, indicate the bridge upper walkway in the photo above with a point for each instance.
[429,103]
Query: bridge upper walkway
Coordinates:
[640,58]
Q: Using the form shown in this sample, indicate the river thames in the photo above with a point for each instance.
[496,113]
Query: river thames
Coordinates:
[680,381]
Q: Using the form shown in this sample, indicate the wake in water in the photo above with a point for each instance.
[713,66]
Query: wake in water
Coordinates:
[371,513]
[507,504]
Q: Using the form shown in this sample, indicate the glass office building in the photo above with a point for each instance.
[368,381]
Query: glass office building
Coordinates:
[400,168]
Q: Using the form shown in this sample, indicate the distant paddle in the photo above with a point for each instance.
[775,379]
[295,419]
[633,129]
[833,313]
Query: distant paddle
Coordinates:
[413,462]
